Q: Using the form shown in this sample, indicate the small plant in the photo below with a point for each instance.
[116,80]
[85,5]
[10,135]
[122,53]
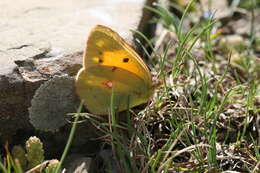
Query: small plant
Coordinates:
[30,158]
[35,152]
[19,153]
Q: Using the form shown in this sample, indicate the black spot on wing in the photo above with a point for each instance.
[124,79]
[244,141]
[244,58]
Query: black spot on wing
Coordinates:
[100,60]
[125,59]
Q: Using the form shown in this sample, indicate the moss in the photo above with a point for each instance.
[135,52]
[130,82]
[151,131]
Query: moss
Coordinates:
[51,102]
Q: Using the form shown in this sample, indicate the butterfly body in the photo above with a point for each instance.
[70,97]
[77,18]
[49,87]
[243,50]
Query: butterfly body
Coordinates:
[111,65]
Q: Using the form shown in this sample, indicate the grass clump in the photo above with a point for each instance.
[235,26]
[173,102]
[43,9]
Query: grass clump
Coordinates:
[204,117]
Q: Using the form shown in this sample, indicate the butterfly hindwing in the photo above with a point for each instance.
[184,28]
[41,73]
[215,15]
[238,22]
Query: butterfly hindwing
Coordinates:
[96,85]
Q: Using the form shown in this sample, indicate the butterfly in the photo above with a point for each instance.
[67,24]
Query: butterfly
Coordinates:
[110,65]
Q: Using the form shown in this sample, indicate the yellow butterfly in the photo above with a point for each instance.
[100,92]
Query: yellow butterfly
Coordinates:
[111,65]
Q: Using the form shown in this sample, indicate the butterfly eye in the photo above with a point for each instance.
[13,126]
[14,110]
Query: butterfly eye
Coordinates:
[97,60]
[125,59]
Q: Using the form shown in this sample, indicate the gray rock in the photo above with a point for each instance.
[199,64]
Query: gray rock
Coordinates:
[77,164]
[40,39]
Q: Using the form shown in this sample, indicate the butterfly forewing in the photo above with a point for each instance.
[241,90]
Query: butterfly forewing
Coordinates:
[105,47]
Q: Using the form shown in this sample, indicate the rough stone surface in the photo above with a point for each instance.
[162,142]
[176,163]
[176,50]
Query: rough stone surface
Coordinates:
[218,8]
[78,164]
[40,39]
